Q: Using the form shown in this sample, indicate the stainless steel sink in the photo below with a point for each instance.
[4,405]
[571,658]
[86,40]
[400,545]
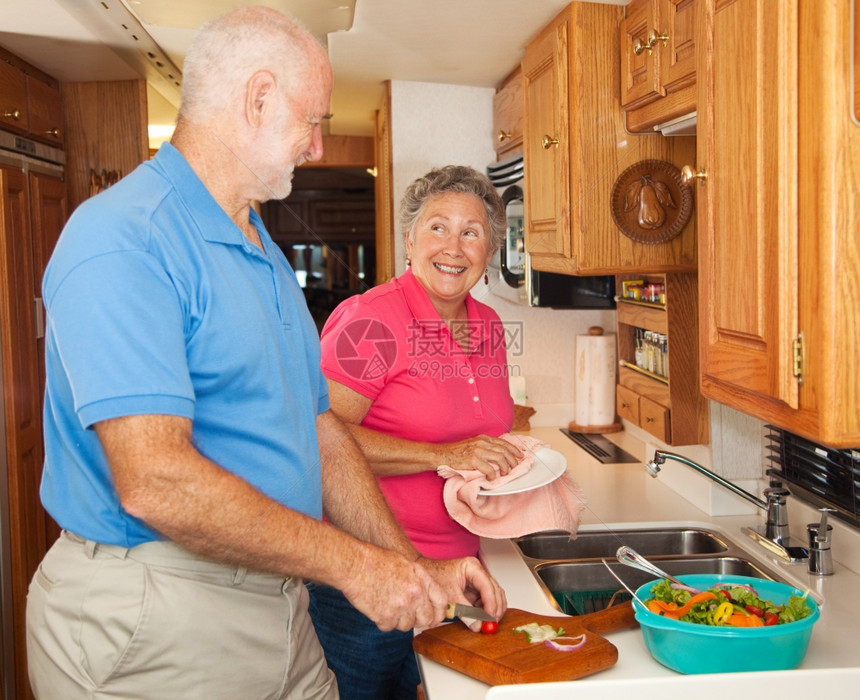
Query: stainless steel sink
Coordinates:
[596,544]
[577,582]
[580,587]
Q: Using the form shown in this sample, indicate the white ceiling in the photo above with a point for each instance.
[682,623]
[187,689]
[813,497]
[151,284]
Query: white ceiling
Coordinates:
[459,42]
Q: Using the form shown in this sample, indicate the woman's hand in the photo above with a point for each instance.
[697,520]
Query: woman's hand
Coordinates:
[490,456]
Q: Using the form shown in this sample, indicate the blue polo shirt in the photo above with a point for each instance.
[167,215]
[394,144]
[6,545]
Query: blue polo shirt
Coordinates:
[157,304]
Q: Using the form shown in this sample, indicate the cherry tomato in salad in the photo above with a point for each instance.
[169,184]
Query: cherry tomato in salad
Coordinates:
[489,627]
[770,618]
[754,610]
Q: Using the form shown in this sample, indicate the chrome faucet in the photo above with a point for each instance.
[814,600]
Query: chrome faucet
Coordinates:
[775,536]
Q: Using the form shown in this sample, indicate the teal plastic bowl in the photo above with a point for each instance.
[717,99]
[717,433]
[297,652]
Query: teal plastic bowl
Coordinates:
[690,648]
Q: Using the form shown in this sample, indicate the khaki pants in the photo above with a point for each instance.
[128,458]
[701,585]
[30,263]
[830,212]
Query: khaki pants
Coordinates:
[155,621]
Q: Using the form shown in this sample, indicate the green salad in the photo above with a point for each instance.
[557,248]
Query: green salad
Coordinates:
[725,604]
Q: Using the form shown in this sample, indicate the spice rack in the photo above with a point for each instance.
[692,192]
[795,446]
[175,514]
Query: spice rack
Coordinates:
[662,398]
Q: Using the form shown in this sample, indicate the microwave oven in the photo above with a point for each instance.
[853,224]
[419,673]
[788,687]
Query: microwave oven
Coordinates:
[512,276]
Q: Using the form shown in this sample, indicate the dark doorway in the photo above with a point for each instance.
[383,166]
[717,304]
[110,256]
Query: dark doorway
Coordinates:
[326,228]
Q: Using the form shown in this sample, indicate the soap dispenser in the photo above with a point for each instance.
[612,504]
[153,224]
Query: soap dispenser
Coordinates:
[820,561]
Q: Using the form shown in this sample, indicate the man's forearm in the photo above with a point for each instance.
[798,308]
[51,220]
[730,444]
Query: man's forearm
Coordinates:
[352,499]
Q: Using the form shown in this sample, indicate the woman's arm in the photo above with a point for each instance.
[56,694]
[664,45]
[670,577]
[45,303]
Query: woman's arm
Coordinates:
[389,456]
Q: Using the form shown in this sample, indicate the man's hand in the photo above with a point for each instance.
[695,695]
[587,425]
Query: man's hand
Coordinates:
[467,581]
[394,592]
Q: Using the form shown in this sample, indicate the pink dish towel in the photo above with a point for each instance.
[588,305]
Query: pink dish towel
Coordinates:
[554,506]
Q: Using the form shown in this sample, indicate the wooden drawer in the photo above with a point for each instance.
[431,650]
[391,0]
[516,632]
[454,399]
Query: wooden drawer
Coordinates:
[627,404]
[655,419]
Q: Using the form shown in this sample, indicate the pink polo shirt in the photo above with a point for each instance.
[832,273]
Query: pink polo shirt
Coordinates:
[390,345]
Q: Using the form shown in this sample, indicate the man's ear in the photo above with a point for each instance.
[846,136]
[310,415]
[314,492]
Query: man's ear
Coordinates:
[259,95]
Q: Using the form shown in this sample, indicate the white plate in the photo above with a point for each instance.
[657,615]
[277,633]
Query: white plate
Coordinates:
[547,467]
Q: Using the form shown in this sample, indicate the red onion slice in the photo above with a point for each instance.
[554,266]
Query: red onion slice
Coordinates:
[559,643]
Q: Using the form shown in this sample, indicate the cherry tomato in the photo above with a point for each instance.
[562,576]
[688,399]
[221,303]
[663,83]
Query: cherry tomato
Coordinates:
[754,610]
[770,618]
[489,627]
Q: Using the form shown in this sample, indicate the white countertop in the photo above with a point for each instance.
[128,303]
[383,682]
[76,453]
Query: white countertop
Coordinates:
[625,495]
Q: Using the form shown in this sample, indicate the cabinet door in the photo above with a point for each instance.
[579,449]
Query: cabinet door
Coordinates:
[13,98]
[545,144]
[747,206]
[23,423]
[640,72]
[678,63]
[48,212]
[508,116]
[46,111]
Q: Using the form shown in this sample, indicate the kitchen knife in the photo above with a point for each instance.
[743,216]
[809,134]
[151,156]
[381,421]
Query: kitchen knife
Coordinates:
[459,610]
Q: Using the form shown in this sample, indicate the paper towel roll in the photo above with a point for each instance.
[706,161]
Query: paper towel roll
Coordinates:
[595,379]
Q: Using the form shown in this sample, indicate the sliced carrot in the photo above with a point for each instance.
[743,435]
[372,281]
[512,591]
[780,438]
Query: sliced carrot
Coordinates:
[740,619]
[671,609]
[698,598]
[660,607]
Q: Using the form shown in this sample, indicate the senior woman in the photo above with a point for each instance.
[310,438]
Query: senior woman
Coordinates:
[417,368]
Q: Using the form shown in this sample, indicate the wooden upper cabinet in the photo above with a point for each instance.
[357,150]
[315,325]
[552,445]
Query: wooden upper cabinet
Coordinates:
[508,115]
[748,145]
[30,102]
[575,147]
[678,65]
[658,61]
[640,81]
[46,110]
[13,98]
[546,144]
[779,156]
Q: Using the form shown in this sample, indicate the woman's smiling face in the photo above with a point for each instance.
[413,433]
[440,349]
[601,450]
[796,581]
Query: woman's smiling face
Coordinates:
[450,248]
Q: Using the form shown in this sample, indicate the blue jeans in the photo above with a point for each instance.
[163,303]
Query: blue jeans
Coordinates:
[369,664]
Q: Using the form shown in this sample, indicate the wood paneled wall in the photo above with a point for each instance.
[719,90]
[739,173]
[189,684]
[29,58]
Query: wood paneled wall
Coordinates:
[106,132]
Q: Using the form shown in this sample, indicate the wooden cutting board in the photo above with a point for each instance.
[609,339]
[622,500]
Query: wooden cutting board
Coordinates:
[507,657]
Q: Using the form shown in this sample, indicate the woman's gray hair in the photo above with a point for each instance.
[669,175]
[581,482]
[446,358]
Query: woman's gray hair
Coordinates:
[458,179]
[227,51]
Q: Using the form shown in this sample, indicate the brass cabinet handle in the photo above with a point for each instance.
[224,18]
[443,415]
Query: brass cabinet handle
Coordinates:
[503,135]
[653,38]
[648,45]
[55,132]
[13,114]
[548,141]
[688,174]
[649,420]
